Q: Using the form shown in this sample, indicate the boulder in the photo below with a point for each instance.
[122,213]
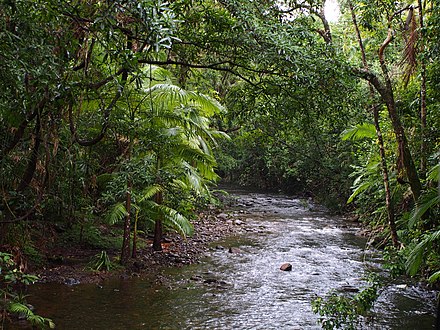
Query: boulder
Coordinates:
[286,267]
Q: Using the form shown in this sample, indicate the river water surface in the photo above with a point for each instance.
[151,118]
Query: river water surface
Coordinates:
[246,289]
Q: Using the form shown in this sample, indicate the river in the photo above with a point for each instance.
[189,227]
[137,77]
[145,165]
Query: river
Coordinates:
[246,289]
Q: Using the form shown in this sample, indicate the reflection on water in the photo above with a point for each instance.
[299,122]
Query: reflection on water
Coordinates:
[244,290]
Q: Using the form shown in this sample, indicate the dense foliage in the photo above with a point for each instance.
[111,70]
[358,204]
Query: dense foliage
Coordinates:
[124,113]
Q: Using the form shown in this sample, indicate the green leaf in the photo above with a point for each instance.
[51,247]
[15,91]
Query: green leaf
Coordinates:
[434,277]
[359,189]
[150,191]
[416,256]
[358,132]
[426,202]
[117,213]
[434,173]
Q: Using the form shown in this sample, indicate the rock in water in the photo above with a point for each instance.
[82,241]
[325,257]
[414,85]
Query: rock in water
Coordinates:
[286,267]
[234,250]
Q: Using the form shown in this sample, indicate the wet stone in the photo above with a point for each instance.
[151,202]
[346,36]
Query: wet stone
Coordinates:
[286,267]
[234,250]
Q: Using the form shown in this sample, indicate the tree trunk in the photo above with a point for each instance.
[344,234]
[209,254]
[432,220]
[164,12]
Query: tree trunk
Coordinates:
[405,160]
[384,166]
[125,253]
[32,164]
[423,112]
[386,181]
[134,249]
[158,226]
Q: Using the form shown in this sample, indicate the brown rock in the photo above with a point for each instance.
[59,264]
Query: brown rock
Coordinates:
[286,267]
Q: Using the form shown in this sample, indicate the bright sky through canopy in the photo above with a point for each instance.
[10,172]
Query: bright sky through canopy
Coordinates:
[331,11]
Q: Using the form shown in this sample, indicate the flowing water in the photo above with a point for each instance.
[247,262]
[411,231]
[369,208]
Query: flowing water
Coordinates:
[246,289]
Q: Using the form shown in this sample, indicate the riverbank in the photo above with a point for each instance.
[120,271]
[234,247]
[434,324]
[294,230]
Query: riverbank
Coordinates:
[72,265]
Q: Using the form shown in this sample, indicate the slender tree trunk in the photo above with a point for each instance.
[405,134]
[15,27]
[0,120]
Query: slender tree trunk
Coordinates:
[384,166]
[134,249]
[32,164]
[423,112]
[386,181]
[125,253]
[158,226]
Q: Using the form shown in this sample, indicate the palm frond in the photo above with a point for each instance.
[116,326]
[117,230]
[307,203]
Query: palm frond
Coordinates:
[434,277]
[207,104]
[416,256]
[150,191]
[153,74]
[173,219]
[167,96]
[434,173]
[358,132]
[19,308]
[426,202]
[358,190]
[117,213]
[28,314]
[177,221]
